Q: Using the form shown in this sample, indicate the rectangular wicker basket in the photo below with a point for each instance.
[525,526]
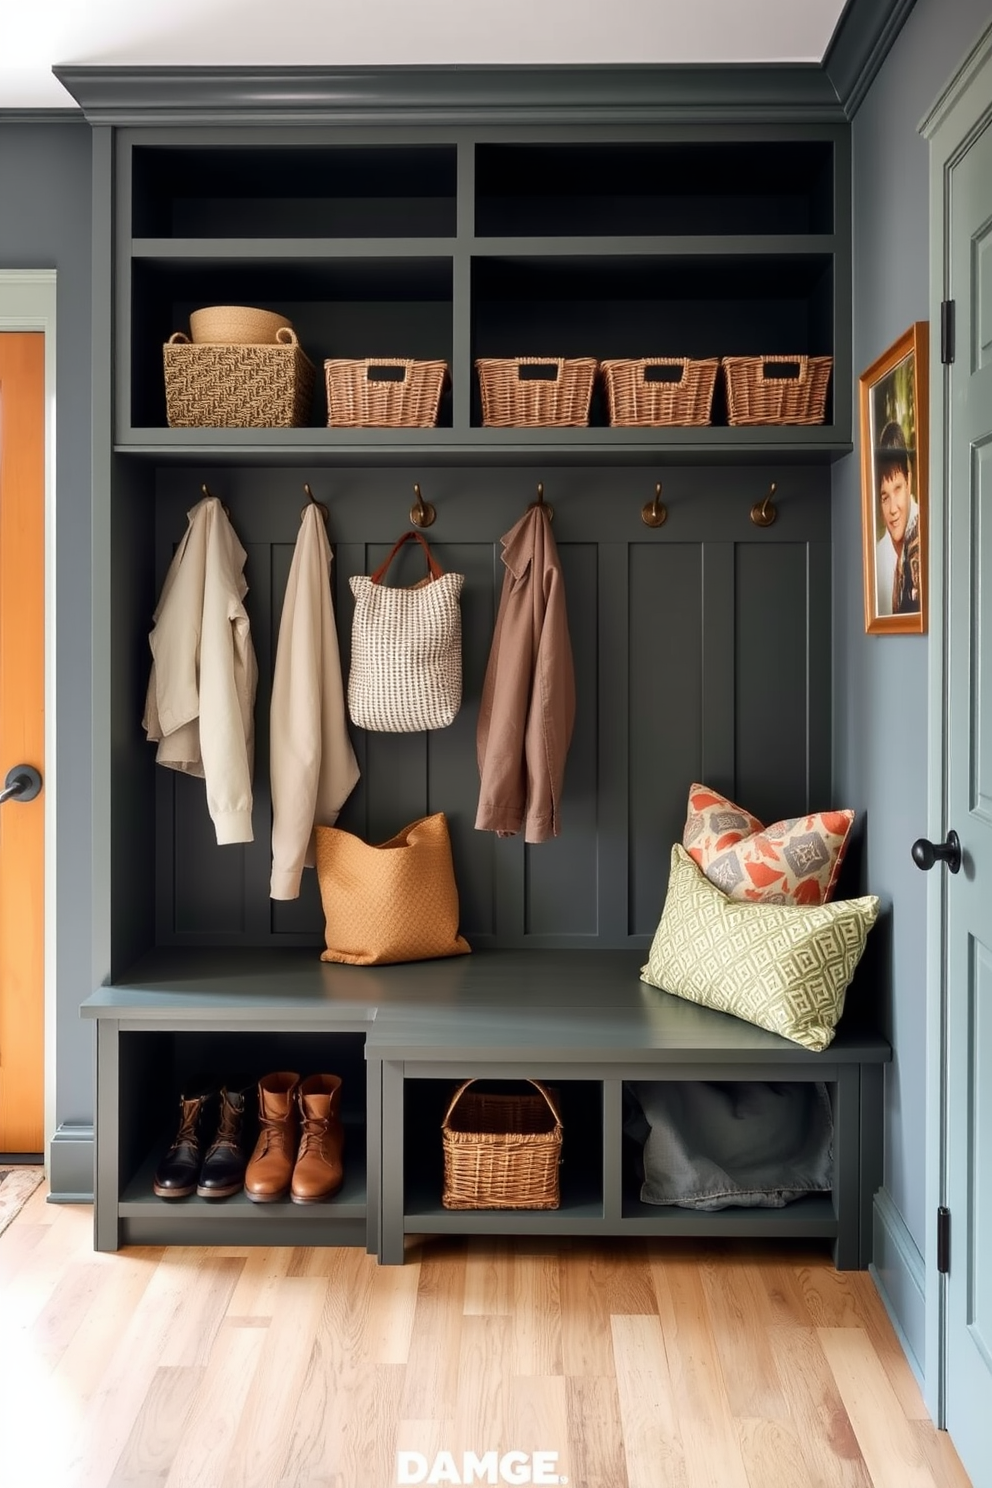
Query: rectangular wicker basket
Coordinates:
[520,392]
[383,392]
[777,390]
[215,386]
[501,1151]
[660,390]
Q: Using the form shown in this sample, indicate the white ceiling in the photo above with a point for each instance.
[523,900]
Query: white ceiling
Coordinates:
[37,34]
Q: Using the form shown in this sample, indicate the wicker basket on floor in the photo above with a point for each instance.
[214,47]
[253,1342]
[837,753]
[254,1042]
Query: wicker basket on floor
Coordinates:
[660,390]
[512,399]
[777,390]
[501,1151]
[383,392]
[218,386]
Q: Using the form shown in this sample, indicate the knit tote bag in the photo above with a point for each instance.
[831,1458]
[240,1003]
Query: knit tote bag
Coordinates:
[406,649]
[397,901]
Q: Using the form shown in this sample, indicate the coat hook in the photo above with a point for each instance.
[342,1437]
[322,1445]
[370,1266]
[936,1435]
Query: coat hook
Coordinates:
[654,513]
[210,497]
[540,502]
[422,514]
[763,513]
[312,501]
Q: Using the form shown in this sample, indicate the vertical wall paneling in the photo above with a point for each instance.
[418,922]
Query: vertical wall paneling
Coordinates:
[702,652]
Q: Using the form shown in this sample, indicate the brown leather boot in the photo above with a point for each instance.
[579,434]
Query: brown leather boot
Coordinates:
[319,1171]
[270,1170]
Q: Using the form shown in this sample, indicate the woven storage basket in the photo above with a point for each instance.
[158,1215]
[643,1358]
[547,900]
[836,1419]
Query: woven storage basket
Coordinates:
[237,387]
[684,396]
[777,390]
[501,1151]
[361,395]
[510,401]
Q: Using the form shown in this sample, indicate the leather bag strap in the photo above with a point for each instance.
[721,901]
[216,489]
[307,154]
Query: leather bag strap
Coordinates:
[434,569]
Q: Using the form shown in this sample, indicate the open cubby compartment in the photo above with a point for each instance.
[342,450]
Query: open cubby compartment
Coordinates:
[636,187]
[253,190]
[813,1215]
[156,1067]
[581,1175]
[339,307]
[692,306]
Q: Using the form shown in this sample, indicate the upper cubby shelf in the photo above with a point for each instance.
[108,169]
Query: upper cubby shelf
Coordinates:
[293,192]
[659,189]
[476,242]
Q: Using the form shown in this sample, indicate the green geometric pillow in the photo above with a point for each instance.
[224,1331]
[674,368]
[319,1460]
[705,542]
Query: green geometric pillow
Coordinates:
[782,966]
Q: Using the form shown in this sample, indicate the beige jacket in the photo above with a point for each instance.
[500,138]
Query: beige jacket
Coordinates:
[528,697]
[199,708]
[312,763]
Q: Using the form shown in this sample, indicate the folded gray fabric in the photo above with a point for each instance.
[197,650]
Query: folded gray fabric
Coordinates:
[712,1145]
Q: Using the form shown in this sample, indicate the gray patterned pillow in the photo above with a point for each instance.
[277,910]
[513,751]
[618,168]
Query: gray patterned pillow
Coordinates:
[783,967]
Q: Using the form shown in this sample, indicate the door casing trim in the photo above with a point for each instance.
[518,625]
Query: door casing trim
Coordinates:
[28,303]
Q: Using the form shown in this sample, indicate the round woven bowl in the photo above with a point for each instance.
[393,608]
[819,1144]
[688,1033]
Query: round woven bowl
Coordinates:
[235,325]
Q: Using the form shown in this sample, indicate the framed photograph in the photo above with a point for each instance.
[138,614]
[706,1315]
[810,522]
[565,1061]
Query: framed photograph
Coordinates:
[894,507]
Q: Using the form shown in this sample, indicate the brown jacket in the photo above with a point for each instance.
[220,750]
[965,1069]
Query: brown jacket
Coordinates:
[528,697]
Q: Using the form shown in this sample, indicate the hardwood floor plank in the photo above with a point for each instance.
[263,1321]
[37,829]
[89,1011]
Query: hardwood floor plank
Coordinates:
[652,1441]
[389,1322]
[212,1428]
[740,1319]
[489,1277]
[535,1313]
[772,1454]
[257,1285]
[943,1460]
[431,1385]
[159,1427]
[261,1445]
[595,1439]
[207,1285]
[829,1447]
[888,1444]
[537,1420]
[481,1415]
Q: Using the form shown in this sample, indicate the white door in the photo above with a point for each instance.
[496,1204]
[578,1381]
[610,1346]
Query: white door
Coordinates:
[968,762]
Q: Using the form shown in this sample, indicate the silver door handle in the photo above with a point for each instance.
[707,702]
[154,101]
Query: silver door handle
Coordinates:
[23,783]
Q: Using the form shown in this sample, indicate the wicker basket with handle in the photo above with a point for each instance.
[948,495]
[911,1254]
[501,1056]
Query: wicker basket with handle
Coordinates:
[776,390]
[660,390]
[216,386]
[530,391]
[383,392]
[501,1151]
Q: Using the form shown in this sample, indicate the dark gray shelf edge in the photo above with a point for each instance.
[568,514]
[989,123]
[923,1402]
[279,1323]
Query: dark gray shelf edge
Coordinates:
[508,447]
[281,1230]
[210,1212]
[806,1218]
[538,246]
[450,94]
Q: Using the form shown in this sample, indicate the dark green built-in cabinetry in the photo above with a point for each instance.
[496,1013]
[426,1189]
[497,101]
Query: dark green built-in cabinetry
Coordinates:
[455,214]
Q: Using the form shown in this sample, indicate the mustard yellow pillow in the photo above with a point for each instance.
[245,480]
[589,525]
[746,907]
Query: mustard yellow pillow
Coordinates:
[781,966]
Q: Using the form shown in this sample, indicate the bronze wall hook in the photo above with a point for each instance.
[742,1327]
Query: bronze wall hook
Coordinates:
[655,513]
[763,513]
[312,501]
[422,514]
[544,505]
[209,495]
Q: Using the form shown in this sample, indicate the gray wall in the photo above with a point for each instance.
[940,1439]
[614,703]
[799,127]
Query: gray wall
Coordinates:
[45,178]
[880,702]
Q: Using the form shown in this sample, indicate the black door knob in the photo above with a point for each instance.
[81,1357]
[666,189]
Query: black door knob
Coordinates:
[926,853]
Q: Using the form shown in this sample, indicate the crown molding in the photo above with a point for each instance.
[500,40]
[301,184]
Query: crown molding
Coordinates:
[448,95]
[860,44]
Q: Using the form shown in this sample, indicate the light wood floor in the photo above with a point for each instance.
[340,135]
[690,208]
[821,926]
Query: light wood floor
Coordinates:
[642,1364]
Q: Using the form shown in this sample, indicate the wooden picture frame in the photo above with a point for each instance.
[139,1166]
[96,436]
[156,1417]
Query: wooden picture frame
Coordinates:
[894,500]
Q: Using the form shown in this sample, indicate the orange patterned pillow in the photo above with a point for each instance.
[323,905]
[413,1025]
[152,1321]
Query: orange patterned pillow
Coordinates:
[791,862]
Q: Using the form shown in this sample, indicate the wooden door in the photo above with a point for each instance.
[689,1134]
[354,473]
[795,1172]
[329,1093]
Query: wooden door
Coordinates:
[22,725]
[969,811]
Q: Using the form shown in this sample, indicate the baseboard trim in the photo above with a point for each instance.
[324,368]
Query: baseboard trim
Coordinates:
[71,1165]
[899,1273]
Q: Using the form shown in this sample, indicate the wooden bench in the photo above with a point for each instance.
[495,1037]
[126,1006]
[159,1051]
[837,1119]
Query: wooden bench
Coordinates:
[582,1021]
